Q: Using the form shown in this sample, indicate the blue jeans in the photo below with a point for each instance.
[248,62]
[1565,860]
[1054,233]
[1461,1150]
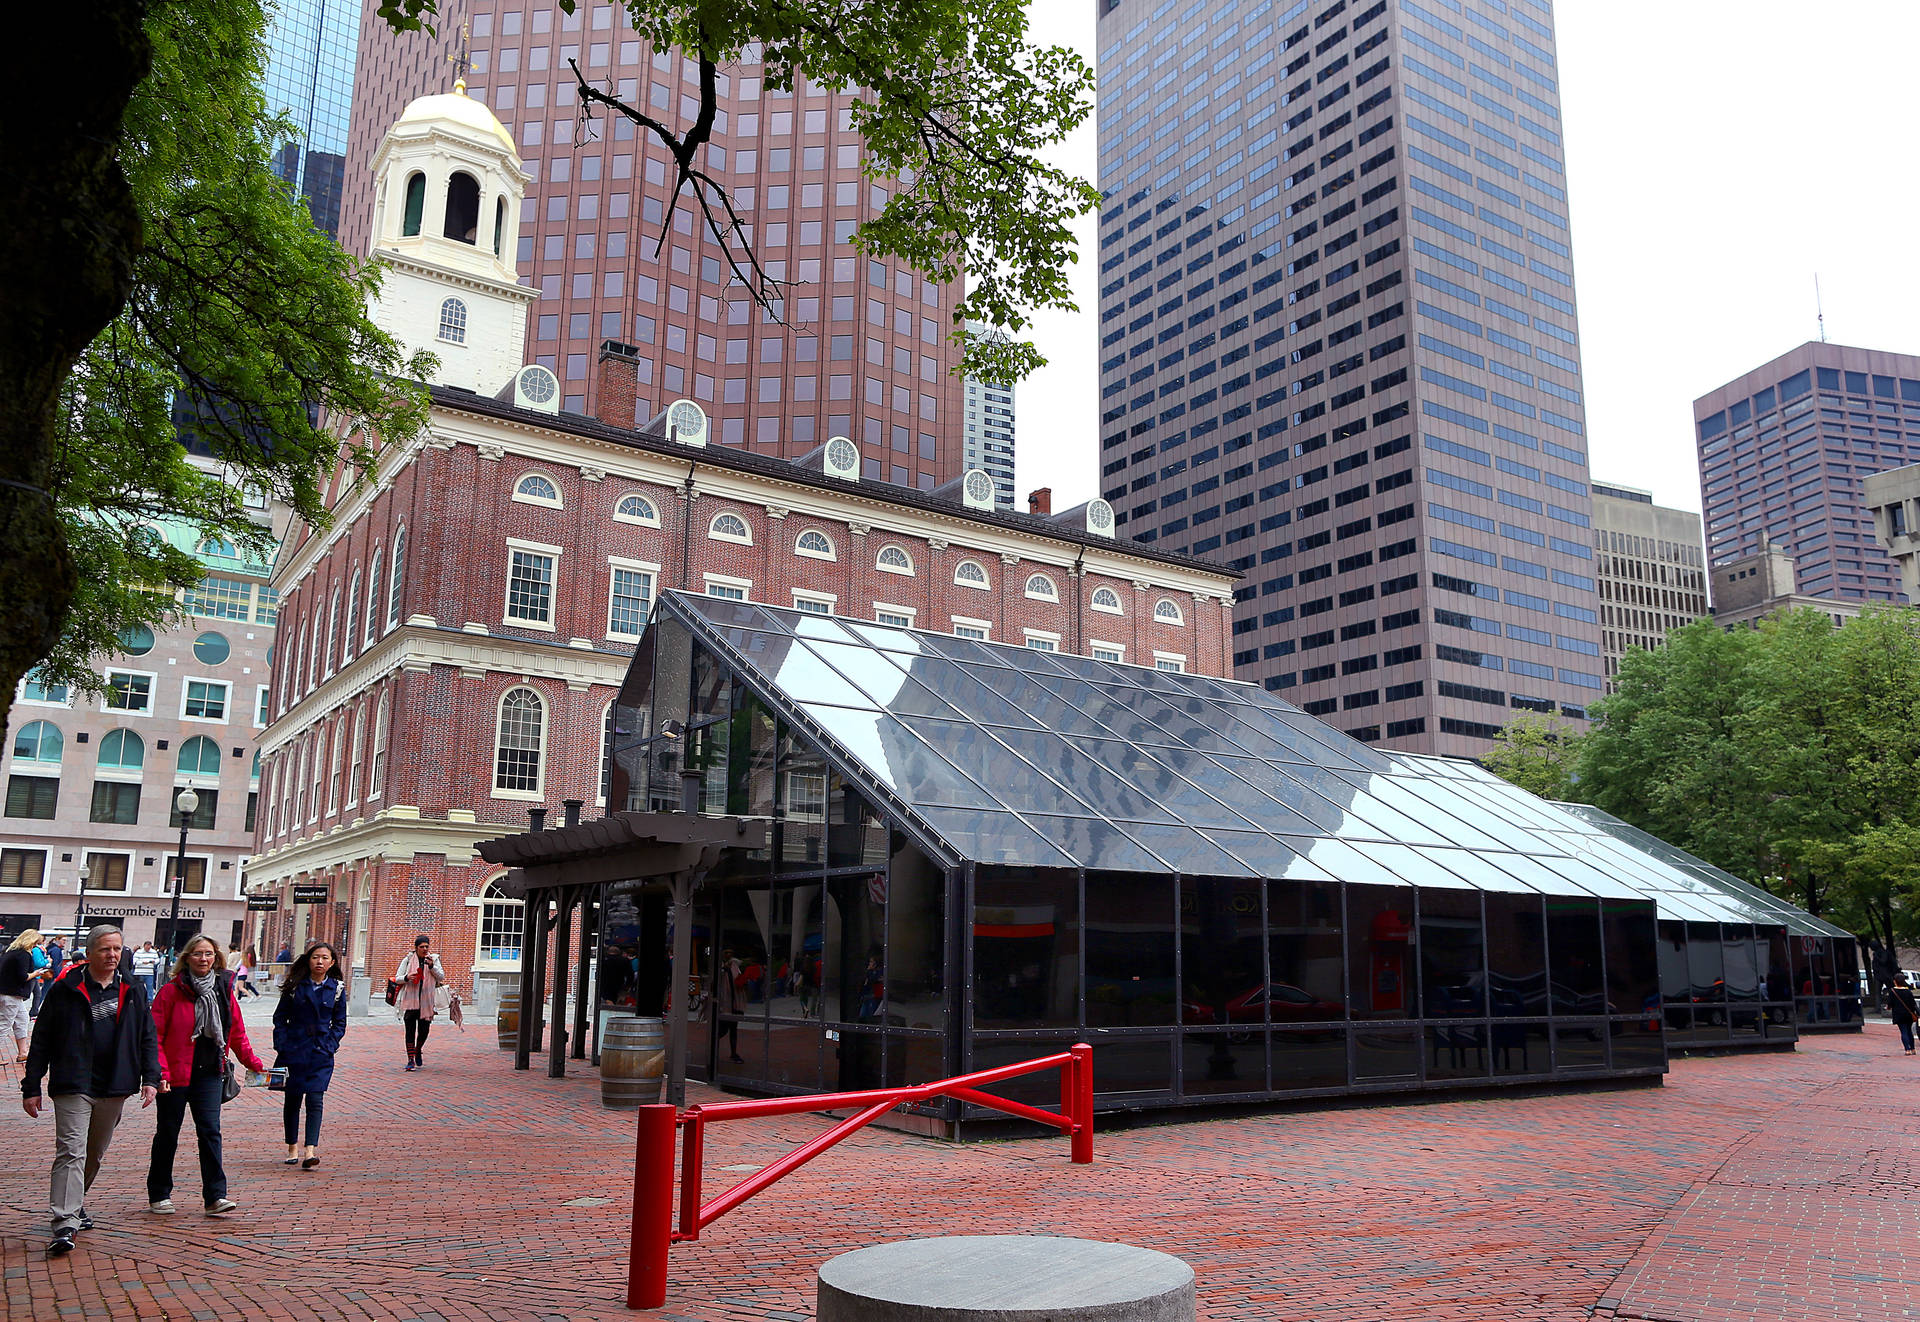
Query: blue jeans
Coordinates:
[203,1098]
[1906,1034]
[290,1112]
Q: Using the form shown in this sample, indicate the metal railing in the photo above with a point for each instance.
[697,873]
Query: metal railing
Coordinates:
[655,1225]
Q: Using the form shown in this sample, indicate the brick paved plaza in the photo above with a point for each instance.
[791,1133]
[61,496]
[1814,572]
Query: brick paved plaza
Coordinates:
[1747,1188]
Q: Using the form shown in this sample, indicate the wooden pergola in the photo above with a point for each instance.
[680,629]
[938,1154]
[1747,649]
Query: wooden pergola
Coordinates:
[555,871]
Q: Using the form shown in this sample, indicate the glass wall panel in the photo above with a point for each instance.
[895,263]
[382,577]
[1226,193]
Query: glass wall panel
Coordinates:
[1516,954]
[1026,949]
[1520,1048]
[1742,965]
[1221,951]
[1706,976]
[1675,979]
[1130,950]
[1453,981]
[1633,959]
[1309,1058]
[1380,1054]
[917,1058]
[740,1007]
[797,921]
[856,1060]
[1379,934]
[1574,955]
[793,1054]
[856,837]
[1129,1065]
[802,788]
[1846,959]
[1777,970]
[1637,1045]
[1223,1062]
[916,940]
[708,739]
[1305,956]
[1041,1089]
[749,761]
[1579,1046]
[854,967]
[1457,1051]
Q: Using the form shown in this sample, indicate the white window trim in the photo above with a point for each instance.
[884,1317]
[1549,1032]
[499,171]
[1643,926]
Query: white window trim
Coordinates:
[111,773]
[153,691]
[1096,645]
[715,535]
[1118,608]
[478,903]
[1053,593]
[226,706]
[46,860]
[984,626]
[1179,660]
[262,694]
[637,566]
[118,775]
[985,585]
[20,696]
[1033,636]
[827,599]
[1179,617]
[618,517]
[726,581]
[908,572]
[911,613]
[538,793]
[554,504]
[199,780]
[172,862]
[831,553]
[506,592]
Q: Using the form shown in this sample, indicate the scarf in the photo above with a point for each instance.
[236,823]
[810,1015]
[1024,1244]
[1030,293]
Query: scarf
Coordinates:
[206,1009]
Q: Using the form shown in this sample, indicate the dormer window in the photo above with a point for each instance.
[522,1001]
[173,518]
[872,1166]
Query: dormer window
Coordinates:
[453,321]
[416,203]
[463,207]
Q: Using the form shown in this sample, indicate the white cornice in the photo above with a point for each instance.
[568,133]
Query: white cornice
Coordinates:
[391,837]
[453,275]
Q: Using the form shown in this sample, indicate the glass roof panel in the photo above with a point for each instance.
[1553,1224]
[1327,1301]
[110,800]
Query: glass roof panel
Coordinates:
[1477,869]
[898,757]
[1343,862]
[1269,856]
[1097,844]
[1197,852]
[994,837]
[1412,865]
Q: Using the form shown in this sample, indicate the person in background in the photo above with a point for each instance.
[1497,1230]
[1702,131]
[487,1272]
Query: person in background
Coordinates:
[1903,1009]
[240,964]
[146,967]
[307,1027]
[20,975]
[420,976]
[198,1020]
[95,1045]
[286,953]
[726,1001]
[49,961]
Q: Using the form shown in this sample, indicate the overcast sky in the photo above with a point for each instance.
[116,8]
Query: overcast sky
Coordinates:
[1719,155]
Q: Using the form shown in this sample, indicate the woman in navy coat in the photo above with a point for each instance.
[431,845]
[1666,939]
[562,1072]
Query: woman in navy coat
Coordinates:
[307,1027]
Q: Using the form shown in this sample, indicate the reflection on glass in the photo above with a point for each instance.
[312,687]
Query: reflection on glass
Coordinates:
[1379,951]
[1574,955]
[1309,1058]
[1452,955]
[1457,1051]
[1220,952]
[1305,953]
[1741,960]
[916,940]
[1130,980]
[1675,976]
[1520,1049]
[853,985]
[1026,949]
[797,918]
[856,837]
[1516,955]
[1637,1046]
[1214,1064]
[803,801]
[1385,1053]
[1579,1047]
[1706,975]
[1633,968]
[856,1061]
[793,1054]
[1038,1089]
[1133,1064]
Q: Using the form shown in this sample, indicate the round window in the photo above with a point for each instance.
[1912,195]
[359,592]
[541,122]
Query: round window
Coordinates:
[210,648]
[979,486]
[136,640]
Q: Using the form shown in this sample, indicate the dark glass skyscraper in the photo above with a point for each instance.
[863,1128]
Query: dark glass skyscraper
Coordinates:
[1339,347]
[310,56]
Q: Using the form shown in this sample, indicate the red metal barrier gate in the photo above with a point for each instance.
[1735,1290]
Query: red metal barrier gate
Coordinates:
[653,1211]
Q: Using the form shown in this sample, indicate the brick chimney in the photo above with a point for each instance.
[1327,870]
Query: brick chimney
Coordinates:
[1041,501]
[617,404]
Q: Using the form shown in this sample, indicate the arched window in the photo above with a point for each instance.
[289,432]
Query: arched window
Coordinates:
[359,747]
[373,600]
[497,944]
[338,769]
[971,574]
[38,741]
[636,509]
[253,772]
[216,546]
[393,574]
[606,757]
[517,749]
[894,560]
[377,763]
[353,616]
[499,226]
[319,772]
[122,750]
[537,489]
[453,321]
[814,544]
[298,795]
[1106,599]
[416,203]
[1167,610]
[199,756]
[333,626]
[730,528]
[1040,587]
[463,207]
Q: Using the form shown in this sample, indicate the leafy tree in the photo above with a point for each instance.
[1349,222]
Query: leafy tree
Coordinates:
[1537,752]
[956,110]
[235,314]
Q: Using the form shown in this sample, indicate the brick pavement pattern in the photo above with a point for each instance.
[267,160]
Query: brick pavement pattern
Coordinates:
[1746,1189]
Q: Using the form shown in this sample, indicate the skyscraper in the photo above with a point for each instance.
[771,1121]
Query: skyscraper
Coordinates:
[1339,347]
[310,54]
[987,440]
[1651,569]
[866,352]
[1783,452]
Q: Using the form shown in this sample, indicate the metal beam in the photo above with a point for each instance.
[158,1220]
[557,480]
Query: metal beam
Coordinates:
[557,1024]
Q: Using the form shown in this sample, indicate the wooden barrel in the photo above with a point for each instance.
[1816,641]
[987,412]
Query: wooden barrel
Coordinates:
[633,1060]
[507,1022]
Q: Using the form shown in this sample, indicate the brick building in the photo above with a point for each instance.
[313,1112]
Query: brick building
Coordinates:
[455,638]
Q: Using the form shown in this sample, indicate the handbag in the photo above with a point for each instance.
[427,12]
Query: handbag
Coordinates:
[229,1084]
[393,991]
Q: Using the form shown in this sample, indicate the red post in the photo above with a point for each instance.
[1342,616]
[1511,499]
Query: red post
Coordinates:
[1082,1108]
[692,1154]
[652,1208]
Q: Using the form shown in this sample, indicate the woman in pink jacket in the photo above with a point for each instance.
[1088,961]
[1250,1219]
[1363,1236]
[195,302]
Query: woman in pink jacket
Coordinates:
[199,1022]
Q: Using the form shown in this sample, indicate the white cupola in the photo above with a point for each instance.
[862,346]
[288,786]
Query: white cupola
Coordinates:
[446,228]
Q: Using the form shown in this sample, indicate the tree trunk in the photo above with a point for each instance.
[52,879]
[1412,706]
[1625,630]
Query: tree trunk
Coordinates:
[65,272]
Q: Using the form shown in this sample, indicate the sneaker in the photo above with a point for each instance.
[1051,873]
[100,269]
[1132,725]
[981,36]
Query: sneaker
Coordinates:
[221,1206]
[410,1065]
[61,1244]
[161,1207]
[86,1221]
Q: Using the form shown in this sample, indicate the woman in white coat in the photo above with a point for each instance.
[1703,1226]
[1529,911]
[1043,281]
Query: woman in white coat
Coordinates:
[420,977]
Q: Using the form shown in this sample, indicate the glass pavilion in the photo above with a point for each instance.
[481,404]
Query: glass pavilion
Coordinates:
[981,853]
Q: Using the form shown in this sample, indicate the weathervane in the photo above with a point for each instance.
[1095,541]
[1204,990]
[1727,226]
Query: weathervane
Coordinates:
[462,63]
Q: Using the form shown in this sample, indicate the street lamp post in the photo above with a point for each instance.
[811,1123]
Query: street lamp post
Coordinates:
[80,900]
[187,802]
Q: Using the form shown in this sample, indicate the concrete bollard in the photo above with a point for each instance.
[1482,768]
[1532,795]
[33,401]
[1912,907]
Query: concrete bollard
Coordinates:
[360,996]
[1005,1278]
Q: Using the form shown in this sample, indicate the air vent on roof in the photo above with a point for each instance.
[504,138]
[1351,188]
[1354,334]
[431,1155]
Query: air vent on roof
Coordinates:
[842,459]
[976,489]
[536,388]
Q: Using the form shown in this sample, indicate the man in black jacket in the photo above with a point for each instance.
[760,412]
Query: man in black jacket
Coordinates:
[95,1034]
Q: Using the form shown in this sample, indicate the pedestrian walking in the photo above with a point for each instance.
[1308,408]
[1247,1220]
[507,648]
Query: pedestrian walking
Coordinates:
[307,1027]
[146,967]
[198,1019]
[420,977]
[49,961]
[241,964]
[726,1001]
[95,1045]
[20,975]
[1903,1009]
